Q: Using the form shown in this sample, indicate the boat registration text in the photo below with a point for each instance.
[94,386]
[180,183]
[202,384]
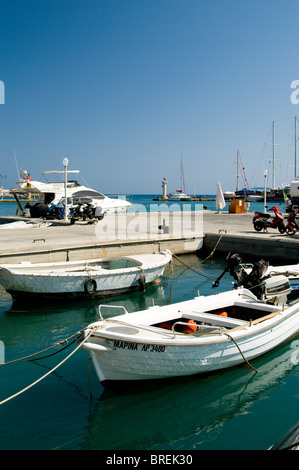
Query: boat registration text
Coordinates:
[138,347]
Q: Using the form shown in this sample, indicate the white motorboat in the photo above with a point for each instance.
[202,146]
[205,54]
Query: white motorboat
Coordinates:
[197,336]
[90,278]
[254,198]
[179,195]
[54,193]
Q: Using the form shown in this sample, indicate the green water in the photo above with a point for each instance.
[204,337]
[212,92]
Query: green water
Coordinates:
[233,409]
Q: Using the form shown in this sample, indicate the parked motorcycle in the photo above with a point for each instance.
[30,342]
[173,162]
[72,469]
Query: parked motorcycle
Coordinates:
[86,211]
[262,220]
[292,224]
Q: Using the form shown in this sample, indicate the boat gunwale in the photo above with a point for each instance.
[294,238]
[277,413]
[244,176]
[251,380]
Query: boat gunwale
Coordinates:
[62,268]
[82,273]
[193,340]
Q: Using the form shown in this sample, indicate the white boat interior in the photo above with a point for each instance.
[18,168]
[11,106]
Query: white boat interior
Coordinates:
[26,267]
[201,316]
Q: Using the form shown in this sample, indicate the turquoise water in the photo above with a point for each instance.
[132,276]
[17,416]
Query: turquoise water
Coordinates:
[146,202]
[233,409]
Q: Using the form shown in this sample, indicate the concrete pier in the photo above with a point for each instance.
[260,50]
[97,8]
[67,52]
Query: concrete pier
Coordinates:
[235,232]
[146,233]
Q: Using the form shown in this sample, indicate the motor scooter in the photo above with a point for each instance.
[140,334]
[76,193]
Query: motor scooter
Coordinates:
[292,224]
[82,211]
[262,220]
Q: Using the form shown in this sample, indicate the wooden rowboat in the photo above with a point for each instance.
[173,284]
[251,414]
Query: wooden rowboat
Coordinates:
[89,278]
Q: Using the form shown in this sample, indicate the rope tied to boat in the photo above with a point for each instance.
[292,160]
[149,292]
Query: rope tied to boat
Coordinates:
[54,368]
[209,276]
[239,349]
[25,358]
[215,247]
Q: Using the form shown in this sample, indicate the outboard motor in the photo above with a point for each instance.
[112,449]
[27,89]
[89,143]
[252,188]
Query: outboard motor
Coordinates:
[232,262]
[275,289]
[272,289]
[269,289]
[253,279]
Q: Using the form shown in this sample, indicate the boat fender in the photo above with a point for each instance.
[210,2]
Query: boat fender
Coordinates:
[142,281]
[90,286]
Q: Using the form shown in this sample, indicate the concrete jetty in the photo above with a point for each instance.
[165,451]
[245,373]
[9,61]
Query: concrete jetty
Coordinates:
[125,234]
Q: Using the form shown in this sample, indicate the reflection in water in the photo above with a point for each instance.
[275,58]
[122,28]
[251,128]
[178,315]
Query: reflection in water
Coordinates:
[164,414]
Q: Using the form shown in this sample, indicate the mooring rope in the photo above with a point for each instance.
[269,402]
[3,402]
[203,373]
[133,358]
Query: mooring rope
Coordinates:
[247,362]
[209,276]
[44,350]
[214,249]
[53,354]
[49,372]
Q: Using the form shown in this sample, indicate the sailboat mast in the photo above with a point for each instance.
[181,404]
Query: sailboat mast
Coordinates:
[295,146]
[182,175]
[273,162]
[238,158]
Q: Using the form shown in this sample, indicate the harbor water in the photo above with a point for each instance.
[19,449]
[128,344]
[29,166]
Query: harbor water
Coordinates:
[70,410]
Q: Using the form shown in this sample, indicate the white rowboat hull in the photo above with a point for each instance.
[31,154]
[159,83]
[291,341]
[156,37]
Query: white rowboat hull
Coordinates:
[136,352]
[85,279]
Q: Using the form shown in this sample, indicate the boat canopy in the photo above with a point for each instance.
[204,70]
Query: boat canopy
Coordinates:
[88,192]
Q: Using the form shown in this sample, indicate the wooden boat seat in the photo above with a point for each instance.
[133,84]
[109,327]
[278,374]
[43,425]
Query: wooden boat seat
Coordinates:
[212,318]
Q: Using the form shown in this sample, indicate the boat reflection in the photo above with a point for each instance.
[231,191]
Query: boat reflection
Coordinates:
[161,415]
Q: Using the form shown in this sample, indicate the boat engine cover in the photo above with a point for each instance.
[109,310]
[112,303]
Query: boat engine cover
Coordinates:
[277,287]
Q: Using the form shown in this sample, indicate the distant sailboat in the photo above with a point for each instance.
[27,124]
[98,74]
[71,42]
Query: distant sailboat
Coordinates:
[246,191]
[276,193]
[179,194]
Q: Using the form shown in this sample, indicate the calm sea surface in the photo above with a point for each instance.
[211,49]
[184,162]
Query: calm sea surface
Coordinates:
[233,409]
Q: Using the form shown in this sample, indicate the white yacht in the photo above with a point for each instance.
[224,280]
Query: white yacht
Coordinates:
[54,193]
[179,195]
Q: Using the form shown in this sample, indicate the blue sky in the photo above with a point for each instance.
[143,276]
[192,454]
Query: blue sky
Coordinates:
[124,87]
